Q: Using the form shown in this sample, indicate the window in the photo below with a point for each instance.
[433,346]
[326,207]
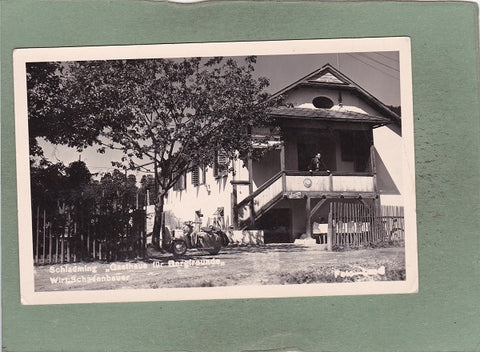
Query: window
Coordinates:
[220,167]
[347,141]
[181,183]
[195,176]
[322,102]
[355,146]
[198,175]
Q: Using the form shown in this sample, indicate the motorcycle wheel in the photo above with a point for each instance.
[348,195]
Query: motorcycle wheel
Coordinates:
[225,239]
[214,250]
[179,247]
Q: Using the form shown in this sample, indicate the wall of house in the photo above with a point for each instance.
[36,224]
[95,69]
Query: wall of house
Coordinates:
[215,193]
[305,95]
[266,168]
[387,141]
[388,146]
[291,153]
[241,174]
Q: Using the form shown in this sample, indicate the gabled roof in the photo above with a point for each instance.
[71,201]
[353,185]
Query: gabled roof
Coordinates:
[328,114]
[329,77]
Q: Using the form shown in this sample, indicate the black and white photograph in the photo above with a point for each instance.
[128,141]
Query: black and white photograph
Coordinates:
[215,171]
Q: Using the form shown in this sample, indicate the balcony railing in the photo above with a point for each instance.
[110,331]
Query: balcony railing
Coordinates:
[297,184]
[300,181]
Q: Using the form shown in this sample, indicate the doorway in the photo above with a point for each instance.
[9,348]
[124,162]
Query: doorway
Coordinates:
[276,225]
[308,147]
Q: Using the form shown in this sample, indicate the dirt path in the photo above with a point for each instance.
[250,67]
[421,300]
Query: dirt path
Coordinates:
[270,264]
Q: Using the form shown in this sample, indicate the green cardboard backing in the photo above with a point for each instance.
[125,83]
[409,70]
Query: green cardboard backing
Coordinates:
[443,316]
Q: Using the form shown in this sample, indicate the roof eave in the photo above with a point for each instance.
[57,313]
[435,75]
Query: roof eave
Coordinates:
[375,122]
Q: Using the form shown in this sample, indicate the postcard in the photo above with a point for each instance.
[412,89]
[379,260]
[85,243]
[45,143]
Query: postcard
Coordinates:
[215,170]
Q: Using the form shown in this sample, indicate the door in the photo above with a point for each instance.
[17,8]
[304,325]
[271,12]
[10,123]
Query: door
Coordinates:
[276,225]
[310,146]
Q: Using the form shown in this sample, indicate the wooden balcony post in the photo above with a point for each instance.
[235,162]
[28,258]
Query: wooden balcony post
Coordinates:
[330,228]
[309,218]
[373,166]
[282,157]
[250,173]
[282,167]
[250,189]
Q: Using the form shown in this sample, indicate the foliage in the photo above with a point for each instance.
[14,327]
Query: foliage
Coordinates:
[78,174]
[47,182]
[54,113]
[176,114]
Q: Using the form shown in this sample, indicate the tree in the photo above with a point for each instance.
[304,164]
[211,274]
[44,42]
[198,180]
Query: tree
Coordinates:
[174,114]
[54,113]
[78,174]
[47,183]
[147,186]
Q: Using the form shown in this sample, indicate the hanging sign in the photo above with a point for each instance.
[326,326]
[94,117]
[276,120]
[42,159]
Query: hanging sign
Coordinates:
[294,195]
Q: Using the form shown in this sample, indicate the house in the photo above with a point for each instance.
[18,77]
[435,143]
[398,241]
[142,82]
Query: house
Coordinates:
[360,142]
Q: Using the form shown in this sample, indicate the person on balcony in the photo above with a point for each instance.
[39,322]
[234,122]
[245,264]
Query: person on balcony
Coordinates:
[317,164]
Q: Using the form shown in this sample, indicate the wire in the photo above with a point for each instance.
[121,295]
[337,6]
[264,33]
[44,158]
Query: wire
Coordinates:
[376,68]
[378,62]
[387,57]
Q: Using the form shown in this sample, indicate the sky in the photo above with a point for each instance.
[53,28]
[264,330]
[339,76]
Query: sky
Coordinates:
[378,73]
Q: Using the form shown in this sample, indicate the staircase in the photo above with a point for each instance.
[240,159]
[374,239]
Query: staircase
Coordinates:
[259,202]
[299,184]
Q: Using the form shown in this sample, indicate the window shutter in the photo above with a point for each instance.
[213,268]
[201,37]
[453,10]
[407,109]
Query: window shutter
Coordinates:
[221,164]
[196,176]
[184,181]
[203,175]
[181,183]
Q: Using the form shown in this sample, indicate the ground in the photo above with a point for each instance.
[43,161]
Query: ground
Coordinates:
[261,265]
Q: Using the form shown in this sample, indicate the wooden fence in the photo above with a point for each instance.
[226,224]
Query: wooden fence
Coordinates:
[69,235]
[356,224]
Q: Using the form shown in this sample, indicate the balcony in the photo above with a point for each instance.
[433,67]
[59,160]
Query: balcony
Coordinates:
[301,184]
[320,182]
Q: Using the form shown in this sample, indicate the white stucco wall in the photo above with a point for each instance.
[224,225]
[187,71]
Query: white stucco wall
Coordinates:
[207,198]
[388,146]
[305,96]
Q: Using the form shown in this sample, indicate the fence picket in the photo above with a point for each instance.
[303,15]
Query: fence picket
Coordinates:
[50,244]
[356,224]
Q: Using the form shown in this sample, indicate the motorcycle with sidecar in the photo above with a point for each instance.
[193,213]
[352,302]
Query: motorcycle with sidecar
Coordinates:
[210,238]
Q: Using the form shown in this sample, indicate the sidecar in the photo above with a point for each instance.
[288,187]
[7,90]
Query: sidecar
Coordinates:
[179,241]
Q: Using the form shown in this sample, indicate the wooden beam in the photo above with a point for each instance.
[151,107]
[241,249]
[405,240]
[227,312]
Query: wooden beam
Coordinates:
[337,195]
[250,174]
[316,207]
[373,166]
[330,228]
[282,167]
[282,157]
[234,207]
[252,213]
[240,182]
[308,211]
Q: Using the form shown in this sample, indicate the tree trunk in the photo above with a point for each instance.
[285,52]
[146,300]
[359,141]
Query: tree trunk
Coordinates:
[158,223]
